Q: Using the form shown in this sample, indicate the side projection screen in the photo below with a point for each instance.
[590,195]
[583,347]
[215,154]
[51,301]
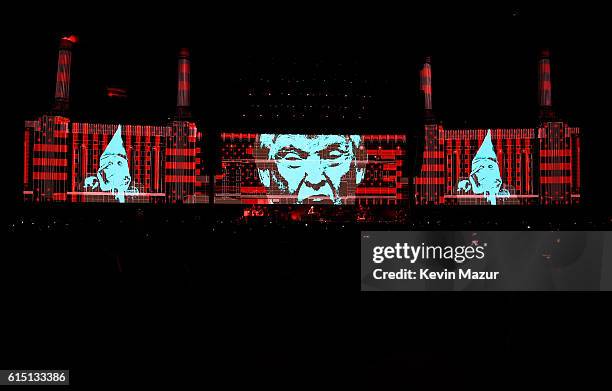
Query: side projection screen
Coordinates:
[334,169]
[112,163]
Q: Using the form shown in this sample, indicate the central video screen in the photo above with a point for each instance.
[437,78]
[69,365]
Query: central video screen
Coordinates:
[324,169]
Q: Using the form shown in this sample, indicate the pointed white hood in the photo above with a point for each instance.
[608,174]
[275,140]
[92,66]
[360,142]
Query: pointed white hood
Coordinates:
[486,150]
[115,146]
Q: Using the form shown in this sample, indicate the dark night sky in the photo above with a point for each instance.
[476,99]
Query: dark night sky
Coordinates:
[484,60]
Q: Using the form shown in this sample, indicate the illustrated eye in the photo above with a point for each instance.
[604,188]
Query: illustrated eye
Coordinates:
[490,166]
[293,160]
[292,157]
[332,155]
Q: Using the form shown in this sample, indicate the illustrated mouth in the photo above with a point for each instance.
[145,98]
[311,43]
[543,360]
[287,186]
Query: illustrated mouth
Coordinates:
[318,199]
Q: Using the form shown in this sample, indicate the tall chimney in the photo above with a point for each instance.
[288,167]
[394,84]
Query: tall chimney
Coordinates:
[544,85]
[183,99]
[426,85]
[62,82]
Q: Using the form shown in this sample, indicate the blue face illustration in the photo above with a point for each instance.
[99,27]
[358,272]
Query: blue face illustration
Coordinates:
[485,177]
[310,169]
[114,174]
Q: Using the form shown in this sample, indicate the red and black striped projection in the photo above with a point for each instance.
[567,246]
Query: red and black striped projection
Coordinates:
[338,169]
[519,166]
[81,162]
[111,162]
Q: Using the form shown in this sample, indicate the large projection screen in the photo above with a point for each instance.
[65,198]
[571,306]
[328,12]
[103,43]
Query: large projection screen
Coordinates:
[345,168]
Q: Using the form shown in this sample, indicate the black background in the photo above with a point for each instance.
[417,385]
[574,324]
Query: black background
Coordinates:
[193,305]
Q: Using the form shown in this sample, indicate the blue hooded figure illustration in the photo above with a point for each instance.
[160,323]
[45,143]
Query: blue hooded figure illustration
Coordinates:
[485,177]
[113,173]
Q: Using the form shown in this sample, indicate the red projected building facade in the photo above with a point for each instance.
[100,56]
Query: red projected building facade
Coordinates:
[73,161]
[98,162]
[521,166]
[377,179]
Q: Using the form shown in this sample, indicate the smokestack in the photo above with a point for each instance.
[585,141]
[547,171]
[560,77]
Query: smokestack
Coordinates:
[426,88]
[62,82]
[544,85]
[183,99]
[426,83]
